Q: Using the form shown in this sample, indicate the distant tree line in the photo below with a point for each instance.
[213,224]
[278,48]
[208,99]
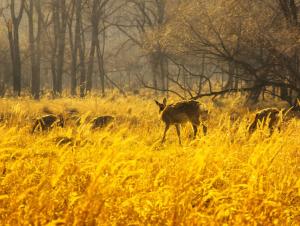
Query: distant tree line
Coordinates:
[191,48]
[255,44]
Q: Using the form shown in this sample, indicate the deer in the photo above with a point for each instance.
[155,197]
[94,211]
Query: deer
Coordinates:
[180,113]
[47,122]
[275,117]
[101,121]
[262,116]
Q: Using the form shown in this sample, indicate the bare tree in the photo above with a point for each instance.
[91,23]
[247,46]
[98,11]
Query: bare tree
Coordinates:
[13,35]
[59,17]
[144,17]
[253,38]
[77,46]
[32,8]
[73,48]
[82,48]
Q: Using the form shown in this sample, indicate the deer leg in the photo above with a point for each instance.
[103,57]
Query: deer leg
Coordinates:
[34,126]
[272,128]
[195,128]
[252,127]
[178,132]
[204,127]
[165,132]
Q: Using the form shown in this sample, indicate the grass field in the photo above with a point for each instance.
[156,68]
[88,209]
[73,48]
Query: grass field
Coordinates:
[122,175]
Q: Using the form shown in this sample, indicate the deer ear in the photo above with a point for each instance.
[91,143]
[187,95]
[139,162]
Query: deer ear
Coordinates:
[165,101]
[157,103]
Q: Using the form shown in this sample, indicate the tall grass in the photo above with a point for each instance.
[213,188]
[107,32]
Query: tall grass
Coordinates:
[122,175]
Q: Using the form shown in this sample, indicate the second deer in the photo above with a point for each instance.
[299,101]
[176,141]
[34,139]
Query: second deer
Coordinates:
[47,122]
[267,116]
[273,117]
[179,113]
[101,121]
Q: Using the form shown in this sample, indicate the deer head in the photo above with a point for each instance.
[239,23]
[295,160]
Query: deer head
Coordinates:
[162,105]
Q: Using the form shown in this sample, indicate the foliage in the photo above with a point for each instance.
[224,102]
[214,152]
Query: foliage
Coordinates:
[250,41]
[122,175]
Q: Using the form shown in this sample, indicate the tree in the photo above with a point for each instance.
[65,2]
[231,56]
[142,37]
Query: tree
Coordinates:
[59,18]
[144,18]
[251,35]
[13,35]
[32,8]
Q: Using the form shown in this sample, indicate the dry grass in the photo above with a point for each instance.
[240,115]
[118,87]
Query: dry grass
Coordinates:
[121,175]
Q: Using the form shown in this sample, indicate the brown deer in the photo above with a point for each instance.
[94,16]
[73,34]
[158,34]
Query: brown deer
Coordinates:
[179,113]
[268,115]
[273,117]
[47,122]
[101,121]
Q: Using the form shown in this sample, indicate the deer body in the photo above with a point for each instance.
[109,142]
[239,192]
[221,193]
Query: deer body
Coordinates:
[179,113]
[101,121]
[273,117]
[47,122]
[271,114]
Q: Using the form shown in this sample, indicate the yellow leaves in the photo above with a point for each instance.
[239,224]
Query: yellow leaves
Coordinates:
[298,187]
[261,185]
[73,198]
[116,176]
[225,212]
[56,222]
[3,197]
[160,177]
[272,203]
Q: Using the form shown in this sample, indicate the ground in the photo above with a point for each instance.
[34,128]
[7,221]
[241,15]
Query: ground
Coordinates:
[122,175]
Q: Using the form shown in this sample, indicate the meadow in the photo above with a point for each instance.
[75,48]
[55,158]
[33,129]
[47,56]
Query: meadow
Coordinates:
[122,175]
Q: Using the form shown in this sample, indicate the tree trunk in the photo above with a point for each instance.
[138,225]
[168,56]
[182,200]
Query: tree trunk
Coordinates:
[34,47]
[13,36]
[95,28]
[229,84]
[255,94]
[55,9]
[60,22]
[154,69]
[82,64]
[163,64]
[74,45]
[17,63]
[37,83]
[101,69]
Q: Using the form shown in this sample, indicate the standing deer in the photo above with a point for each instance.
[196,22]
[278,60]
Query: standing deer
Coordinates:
[179,113]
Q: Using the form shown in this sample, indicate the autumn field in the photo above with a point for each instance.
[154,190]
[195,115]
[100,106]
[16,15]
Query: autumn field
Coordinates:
[122,175]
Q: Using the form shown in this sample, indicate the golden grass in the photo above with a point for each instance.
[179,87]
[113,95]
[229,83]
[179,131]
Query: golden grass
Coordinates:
[121,175]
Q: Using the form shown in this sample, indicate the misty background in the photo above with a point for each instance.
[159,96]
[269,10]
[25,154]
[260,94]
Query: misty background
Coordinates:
[186,48]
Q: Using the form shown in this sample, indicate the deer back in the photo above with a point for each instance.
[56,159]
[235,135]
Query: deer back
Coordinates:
[269,113]
[272,113]
[181,112]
